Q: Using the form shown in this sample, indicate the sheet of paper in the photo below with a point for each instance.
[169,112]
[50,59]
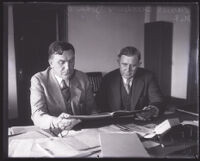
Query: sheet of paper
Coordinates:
[20,148]
[190,122]
[121,145]
[21,129]
[89,137]
[30,135]
[110,128]
[56,148]
[50,147]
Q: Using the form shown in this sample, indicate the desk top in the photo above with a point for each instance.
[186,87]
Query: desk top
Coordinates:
[83,140]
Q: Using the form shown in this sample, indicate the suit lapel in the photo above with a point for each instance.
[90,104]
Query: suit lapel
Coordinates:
[54,88]
[137,88]
[75,90]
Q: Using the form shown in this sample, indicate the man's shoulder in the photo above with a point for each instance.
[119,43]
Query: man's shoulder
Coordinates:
[42,74]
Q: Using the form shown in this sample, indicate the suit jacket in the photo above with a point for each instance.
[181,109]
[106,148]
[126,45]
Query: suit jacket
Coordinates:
[145,91]
[47,100]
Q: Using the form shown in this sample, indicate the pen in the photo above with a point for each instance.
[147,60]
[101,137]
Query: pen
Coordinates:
[160,140]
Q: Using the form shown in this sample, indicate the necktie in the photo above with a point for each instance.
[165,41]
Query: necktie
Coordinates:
[66,94]
[127,86]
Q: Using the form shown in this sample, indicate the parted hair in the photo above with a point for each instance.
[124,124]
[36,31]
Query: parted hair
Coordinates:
[57,47]
[130,51]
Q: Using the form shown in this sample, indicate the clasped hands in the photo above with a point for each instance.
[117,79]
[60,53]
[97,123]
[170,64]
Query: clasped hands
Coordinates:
[148,113]
[64,122]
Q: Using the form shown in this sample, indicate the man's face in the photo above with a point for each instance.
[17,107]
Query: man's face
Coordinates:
[128,65]
[63,65]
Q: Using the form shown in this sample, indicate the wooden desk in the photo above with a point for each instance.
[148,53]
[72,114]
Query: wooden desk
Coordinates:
[86,135]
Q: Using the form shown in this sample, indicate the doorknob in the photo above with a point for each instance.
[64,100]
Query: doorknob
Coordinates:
[20,74]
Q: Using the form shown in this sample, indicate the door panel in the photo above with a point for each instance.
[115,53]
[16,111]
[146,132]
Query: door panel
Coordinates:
[35,29]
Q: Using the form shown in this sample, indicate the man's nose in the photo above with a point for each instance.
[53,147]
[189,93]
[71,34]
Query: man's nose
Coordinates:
[129,68]
[66,66]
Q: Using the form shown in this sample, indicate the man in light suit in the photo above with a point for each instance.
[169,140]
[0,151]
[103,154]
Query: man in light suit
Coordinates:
[60,90]
[130,88]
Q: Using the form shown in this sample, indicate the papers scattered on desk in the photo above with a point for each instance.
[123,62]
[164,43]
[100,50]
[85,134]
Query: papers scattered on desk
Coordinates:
[163,127]
[15,130]
[31,134]
[149,131]
[50,147]
[56,148]
[20,148]
[133,128]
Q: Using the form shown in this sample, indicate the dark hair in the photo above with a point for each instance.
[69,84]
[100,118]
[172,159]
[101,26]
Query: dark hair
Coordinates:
[57,47]
[130,51]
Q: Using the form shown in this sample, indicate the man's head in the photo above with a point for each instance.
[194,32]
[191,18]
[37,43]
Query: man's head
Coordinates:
[62,58]
[129,61]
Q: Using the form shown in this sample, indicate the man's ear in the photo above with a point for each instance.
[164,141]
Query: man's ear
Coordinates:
[50,62]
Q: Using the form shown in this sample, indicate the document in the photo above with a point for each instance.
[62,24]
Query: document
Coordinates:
[120,113]
[20,148]
[15,130]
[49,148]
[56,148]
[121,145]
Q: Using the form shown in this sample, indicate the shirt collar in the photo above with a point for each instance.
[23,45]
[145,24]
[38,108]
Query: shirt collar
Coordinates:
[59,79]
[125,81]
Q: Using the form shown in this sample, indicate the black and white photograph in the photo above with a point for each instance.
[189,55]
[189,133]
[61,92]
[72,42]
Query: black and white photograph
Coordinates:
[100,80]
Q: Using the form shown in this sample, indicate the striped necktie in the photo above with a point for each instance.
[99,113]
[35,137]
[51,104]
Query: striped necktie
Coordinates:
[66,94]
[128,86]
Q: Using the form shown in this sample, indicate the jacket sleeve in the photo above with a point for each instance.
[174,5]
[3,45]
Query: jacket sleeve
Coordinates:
[39,111]
[154,94]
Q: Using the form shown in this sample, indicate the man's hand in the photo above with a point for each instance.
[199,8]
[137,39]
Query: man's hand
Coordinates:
[63,122]
[149,112]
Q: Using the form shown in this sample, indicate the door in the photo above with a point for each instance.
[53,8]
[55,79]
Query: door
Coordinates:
[34,29]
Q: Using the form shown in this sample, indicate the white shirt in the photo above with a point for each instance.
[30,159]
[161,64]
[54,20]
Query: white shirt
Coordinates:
[125,81]
[59,79]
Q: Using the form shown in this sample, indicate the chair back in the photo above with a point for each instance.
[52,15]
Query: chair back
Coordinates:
[95,79]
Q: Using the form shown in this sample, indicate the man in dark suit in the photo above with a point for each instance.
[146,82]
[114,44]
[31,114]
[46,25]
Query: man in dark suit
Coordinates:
[60,90]
[130,88]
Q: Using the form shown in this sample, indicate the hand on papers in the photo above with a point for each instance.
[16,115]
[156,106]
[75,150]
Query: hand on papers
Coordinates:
[148,113]
[63,122]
